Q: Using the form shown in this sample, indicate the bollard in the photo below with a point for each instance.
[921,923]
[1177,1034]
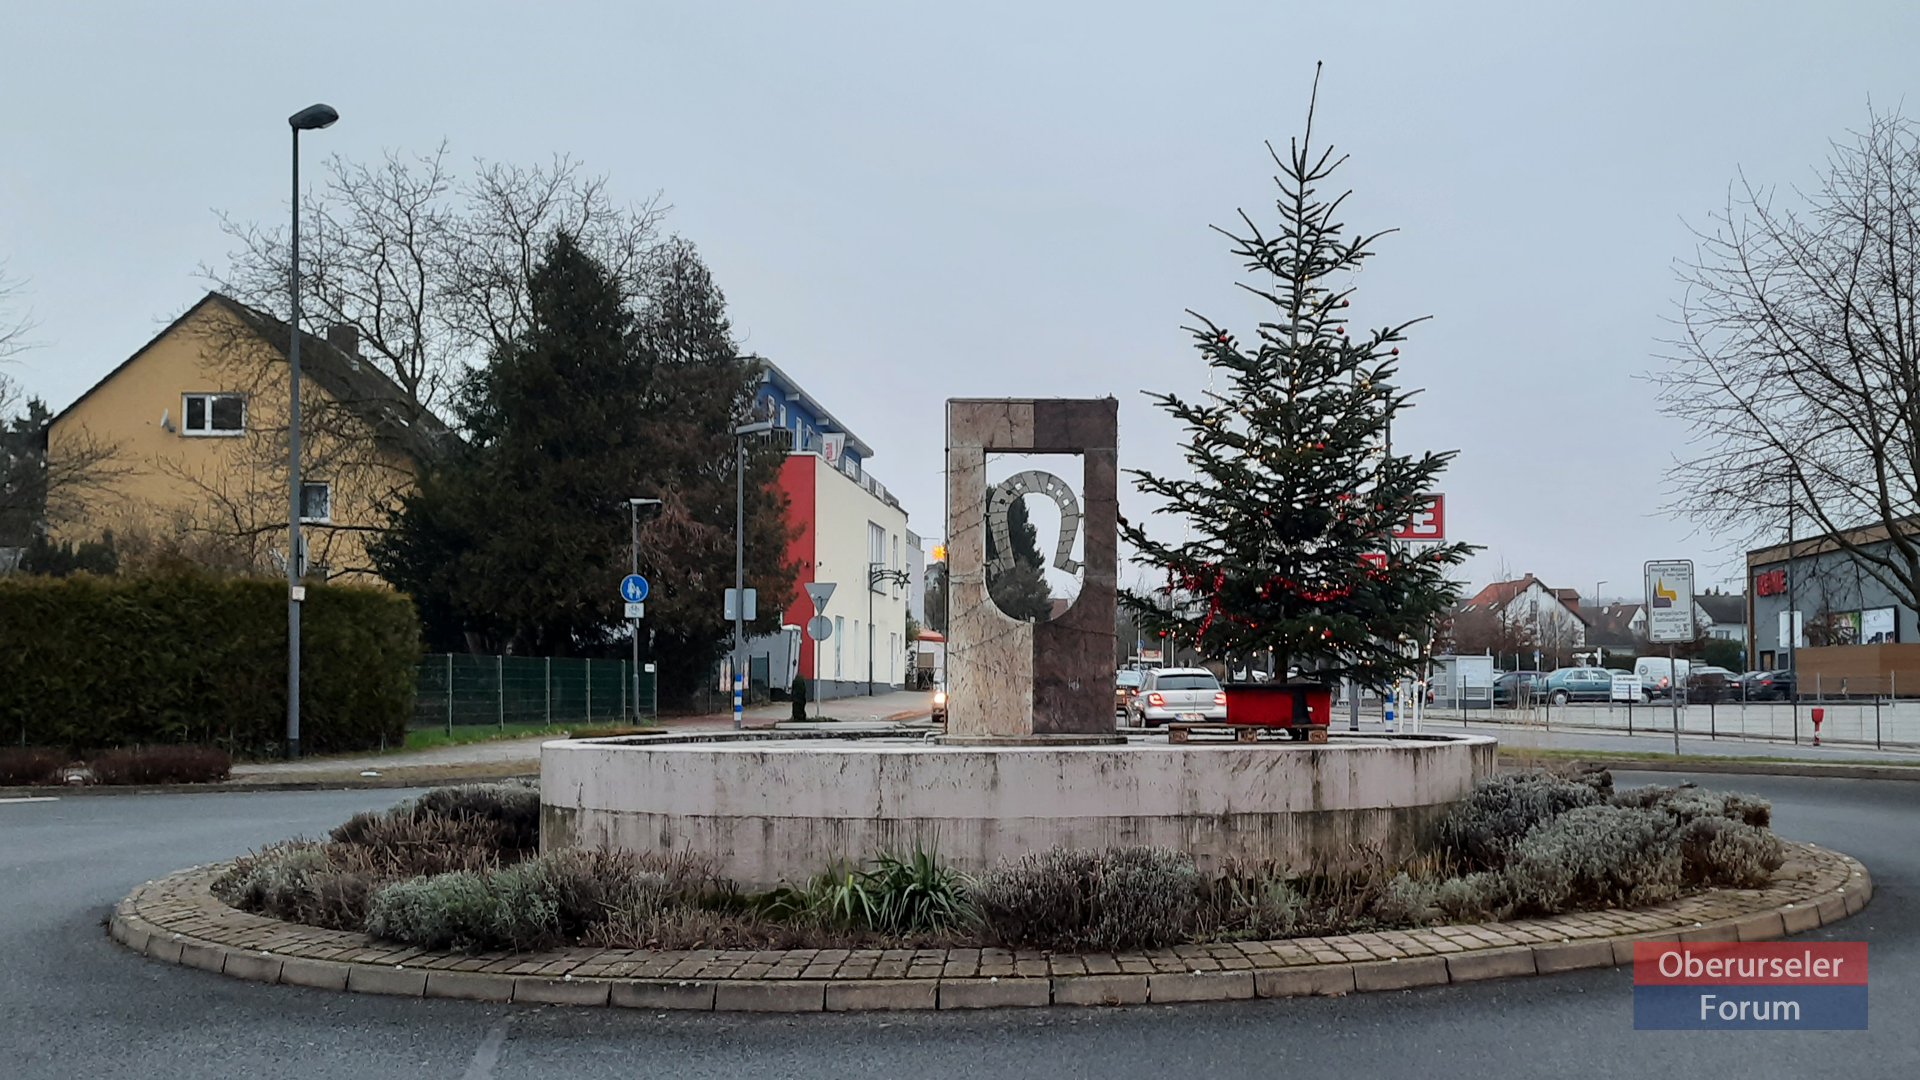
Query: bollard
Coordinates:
[1819,714]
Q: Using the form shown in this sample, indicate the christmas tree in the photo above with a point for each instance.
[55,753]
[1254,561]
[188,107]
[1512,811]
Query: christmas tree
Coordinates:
[1295,490]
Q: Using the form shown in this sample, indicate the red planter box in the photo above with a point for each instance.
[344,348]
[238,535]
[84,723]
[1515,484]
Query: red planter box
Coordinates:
[1280,705]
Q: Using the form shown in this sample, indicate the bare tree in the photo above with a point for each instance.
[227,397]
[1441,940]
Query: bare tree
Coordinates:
[33,486]
[431,270]
[1797,359]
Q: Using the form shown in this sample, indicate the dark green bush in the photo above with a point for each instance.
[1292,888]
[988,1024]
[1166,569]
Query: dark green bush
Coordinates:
[89,663]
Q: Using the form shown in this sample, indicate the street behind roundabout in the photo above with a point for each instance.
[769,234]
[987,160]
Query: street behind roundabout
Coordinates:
[74,1003]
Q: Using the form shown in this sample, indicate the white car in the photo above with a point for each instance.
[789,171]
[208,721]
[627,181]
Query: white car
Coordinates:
[1178,694]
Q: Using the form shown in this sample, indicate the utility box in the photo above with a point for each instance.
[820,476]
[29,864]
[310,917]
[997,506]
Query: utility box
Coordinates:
[1303,708]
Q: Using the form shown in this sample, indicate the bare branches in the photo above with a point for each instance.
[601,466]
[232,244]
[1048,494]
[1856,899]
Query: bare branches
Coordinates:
[1797,358]
[429,269]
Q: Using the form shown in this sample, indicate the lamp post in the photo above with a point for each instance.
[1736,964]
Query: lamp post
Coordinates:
[311,118]
[877,573]
[634,506]
[740,434]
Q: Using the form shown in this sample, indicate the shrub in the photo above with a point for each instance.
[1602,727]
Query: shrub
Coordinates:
[558,897]
[91,662]
[1258,902]
[1687,803]
[1475,897]
[1122,898]
[161,765]
[1407,901]
[1596,856]
[900,896]
[1484,828]
[1728,853]
[299,881]
[30,765]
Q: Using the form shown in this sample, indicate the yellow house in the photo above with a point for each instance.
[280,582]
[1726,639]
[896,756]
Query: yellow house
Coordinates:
[182,448]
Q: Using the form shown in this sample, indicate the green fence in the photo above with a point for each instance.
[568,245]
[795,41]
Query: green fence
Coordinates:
[458,690]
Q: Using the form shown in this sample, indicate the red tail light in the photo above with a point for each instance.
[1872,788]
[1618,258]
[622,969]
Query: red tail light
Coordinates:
[1156,701]
[1219,697]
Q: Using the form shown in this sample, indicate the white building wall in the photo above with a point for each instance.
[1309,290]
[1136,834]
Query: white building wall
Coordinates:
[842,510]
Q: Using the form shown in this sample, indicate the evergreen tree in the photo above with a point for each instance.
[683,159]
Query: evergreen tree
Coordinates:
[1020,590]
[1293,496]
[520,537]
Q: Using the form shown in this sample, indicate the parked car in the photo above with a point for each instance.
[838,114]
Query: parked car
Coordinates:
[1510,689]
[1579,684]
[1707,684]
[1125,685]
[1189,694]
[1769,685]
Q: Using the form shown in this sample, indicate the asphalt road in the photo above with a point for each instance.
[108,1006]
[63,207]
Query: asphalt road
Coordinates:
[74,1004]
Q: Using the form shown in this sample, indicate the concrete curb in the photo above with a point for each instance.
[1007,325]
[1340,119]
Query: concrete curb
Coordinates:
[174,919]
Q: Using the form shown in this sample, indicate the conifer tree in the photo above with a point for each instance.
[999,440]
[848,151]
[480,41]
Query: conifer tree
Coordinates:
[1020,590]
[1293,494]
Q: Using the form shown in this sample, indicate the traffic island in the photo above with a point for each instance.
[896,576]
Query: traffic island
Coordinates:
[177,919]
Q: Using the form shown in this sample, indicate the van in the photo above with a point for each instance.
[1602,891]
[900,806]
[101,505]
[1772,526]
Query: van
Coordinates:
[1657,674]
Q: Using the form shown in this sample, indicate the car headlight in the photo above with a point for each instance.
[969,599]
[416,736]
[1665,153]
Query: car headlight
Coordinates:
[939,697]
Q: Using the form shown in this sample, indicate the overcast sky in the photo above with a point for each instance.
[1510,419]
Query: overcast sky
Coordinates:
[906,202]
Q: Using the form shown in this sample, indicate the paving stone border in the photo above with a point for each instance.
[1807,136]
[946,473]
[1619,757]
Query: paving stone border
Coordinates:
[177,919]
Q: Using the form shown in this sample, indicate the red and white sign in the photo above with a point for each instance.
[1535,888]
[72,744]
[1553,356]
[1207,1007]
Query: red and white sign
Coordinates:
[1426,524]
[1770,582]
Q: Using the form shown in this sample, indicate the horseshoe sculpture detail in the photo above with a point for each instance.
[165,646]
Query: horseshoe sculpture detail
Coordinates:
[1033,481]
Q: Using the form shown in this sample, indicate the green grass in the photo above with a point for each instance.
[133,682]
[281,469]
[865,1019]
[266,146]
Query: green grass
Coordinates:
[428,738]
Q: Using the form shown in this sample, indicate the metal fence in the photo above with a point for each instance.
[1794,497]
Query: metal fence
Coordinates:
[456,690]
[1879,723]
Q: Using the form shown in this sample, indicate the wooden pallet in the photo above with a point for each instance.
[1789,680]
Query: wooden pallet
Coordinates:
[1239,733]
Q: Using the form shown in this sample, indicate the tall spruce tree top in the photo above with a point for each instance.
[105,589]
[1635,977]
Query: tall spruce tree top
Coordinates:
[1294,494]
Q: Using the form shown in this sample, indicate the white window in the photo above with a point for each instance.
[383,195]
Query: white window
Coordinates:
[876,552]
[893,658]
[212,414]
[839,635]
[316,501]
[896,551]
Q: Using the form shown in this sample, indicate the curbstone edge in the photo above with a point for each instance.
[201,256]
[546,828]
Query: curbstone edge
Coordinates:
[1100,990]
[1400,974]
[1491,964]
[662,994]
[1199,986]
[994,993]
[857,994]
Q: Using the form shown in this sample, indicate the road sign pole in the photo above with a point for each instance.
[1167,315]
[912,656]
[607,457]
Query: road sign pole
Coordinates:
[739,573]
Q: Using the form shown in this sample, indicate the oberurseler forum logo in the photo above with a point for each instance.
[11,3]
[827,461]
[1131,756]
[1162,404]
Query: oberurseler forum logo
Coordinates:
[1753,986]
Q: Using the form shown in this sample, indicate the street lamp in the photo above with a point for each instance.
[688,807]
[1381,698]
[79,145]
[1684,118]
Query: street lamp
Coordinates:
[634,506]
[877,573]
[740,557]
[311,118]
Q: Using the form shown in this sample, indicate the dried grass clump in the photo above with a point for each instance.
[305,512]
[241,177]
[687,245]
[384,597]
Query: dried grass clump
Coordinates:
[178,764]
[1122,898]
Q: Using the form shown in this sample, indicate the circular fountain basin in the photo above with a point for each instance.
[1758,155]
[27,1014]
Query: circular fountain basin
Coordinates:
[782,807]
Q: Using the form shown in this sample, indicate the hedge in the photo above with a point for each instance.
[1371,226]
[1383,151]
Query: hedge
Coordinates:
[91,662]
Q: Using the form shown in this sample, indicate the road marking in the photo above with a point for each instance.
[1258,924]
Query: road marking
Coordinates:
[33,798]
[488,1053]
